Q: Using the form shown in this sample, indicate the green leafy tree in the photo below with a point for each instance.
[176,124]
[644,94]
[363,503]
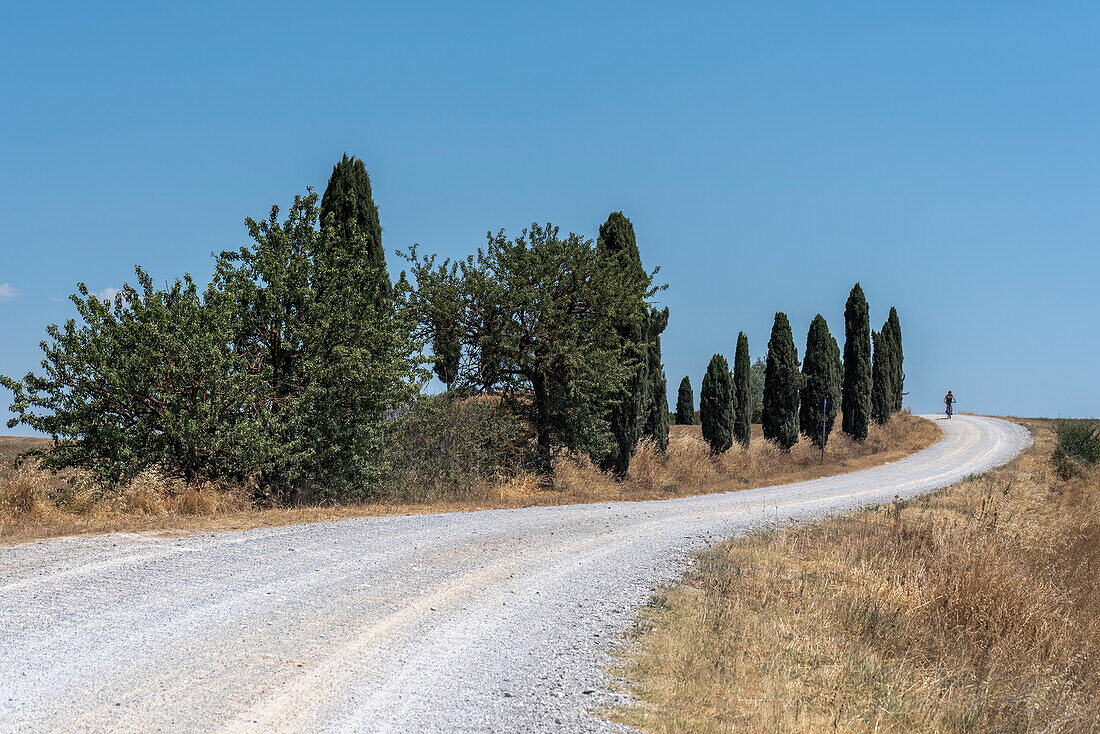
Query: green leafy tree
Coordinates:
[893,328]
[348,199]
[717,405]
[538,324]
[144,381]
[742,389]
[442,325]
[821,371]
[685,404]
[781,385]
[333,359]
[283,371]
[856,388]
[756,386]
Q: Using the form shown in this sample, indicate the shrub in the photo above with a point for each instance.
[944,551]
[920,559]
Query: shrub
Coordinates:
[1078,440]
[445,447]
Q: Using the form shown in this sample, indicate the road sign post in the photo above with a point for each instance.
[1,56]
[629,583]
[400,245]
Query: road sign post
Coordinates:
[825,405]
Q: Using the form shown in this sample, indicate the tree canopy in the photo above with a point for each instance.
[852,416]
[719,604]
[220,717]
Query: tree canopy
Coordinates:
[537,319]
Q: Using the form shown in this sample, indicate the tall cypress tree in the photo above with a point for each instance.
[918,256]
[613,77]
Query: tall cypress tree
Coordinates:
[656,421]
[629,411]
[856,389]
[781,384]
[882,392]
[717,406]
[348,198]
[742,390]
[893,326]
[685,404]
[821,370]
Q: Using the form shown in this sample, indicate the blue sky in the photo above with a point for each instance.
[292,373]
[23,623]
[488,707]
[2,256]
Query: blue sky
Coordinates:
[769,155]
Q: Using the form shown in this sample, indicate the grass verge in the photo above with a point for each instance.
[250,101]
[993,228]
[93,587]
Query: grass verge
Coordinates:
[975,608]
[37,504]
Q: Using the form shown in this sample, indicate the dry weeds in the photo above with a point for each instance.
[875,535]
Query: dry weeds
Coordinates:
[37,504]
[976,608]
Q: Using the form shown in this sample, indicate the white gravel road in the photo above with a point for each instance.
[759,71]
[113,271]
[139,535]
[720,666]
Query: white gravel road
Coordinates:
[499,620]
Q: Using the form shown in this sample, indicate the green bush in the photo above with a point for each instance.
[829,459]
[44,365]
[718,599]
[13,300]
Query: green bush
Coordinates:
[445,447]
[1078,440]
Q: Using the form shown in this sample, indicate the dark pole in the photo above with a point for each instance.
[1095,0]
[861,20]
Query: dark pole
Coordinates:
[824,411]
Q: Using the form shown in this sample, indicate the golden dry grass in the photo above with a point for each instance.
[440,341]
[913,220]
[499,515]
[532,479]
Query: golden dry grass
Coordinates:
[976,608]
[36,504]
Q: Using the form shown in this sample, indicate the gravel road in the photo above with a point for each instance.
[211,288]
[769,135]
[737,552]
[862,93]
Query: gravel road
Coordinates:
[499,620]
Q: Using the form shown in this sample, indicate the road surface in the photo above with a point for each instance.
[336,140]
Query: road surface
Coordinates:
[498,620]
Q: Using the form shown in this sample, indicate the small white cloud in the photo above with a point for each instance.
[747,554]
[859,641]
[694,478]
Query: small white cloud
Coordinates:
[108,294]
[8,293]
[55,299]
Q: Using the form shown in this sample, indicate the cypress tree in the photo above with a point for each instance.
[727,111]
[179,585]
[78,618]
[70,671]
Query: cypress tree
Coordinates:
[742,389]
[655,399]
[781,384]
[349,200]
[629,411]
[717,406]
[882,393]
[893,326]
[821,371]
[685,404]
[856,389]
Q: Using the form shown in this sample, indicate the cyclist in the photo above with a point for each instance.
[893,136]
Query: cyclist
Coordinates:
[949,400]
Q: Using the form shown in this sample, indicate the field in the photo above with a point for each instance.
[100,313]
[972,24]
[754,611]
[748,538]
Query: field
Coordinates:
[975,608]
[36,504]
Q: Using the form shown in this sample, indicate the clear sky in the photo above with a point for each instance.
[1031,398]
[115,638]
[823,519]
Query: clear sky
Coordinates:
[769,155]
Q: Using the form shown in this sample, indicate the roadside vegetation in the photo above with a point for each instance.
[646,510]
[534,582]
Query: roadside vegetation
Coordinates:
[295,381]
[450,460]
[975,608]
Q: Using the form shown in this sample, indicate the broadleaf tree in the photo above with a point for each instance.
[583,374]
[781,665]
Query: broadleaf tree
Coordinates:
[283,372]
[538,325]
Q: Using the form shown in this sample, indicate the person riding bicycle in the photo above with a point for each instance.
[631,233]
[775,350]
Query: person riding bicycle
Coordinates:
[949,400]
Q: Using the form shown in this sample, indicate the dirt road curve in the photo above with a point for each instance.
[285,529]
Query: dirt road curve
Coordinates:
[487,621]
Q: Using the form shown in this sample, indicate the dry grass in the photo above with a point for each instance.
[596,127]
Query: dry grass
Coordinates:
[976,608]
[688,468]
[36,504]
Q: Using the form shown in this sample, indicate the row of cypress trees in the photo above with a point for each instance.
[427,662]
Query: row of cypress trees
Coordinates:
[867,385]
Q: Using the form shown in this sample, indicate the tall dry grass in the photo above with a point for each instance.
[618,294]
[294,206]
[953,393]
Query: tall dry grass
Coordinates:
[35,503]
[976,608]
[688,467]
